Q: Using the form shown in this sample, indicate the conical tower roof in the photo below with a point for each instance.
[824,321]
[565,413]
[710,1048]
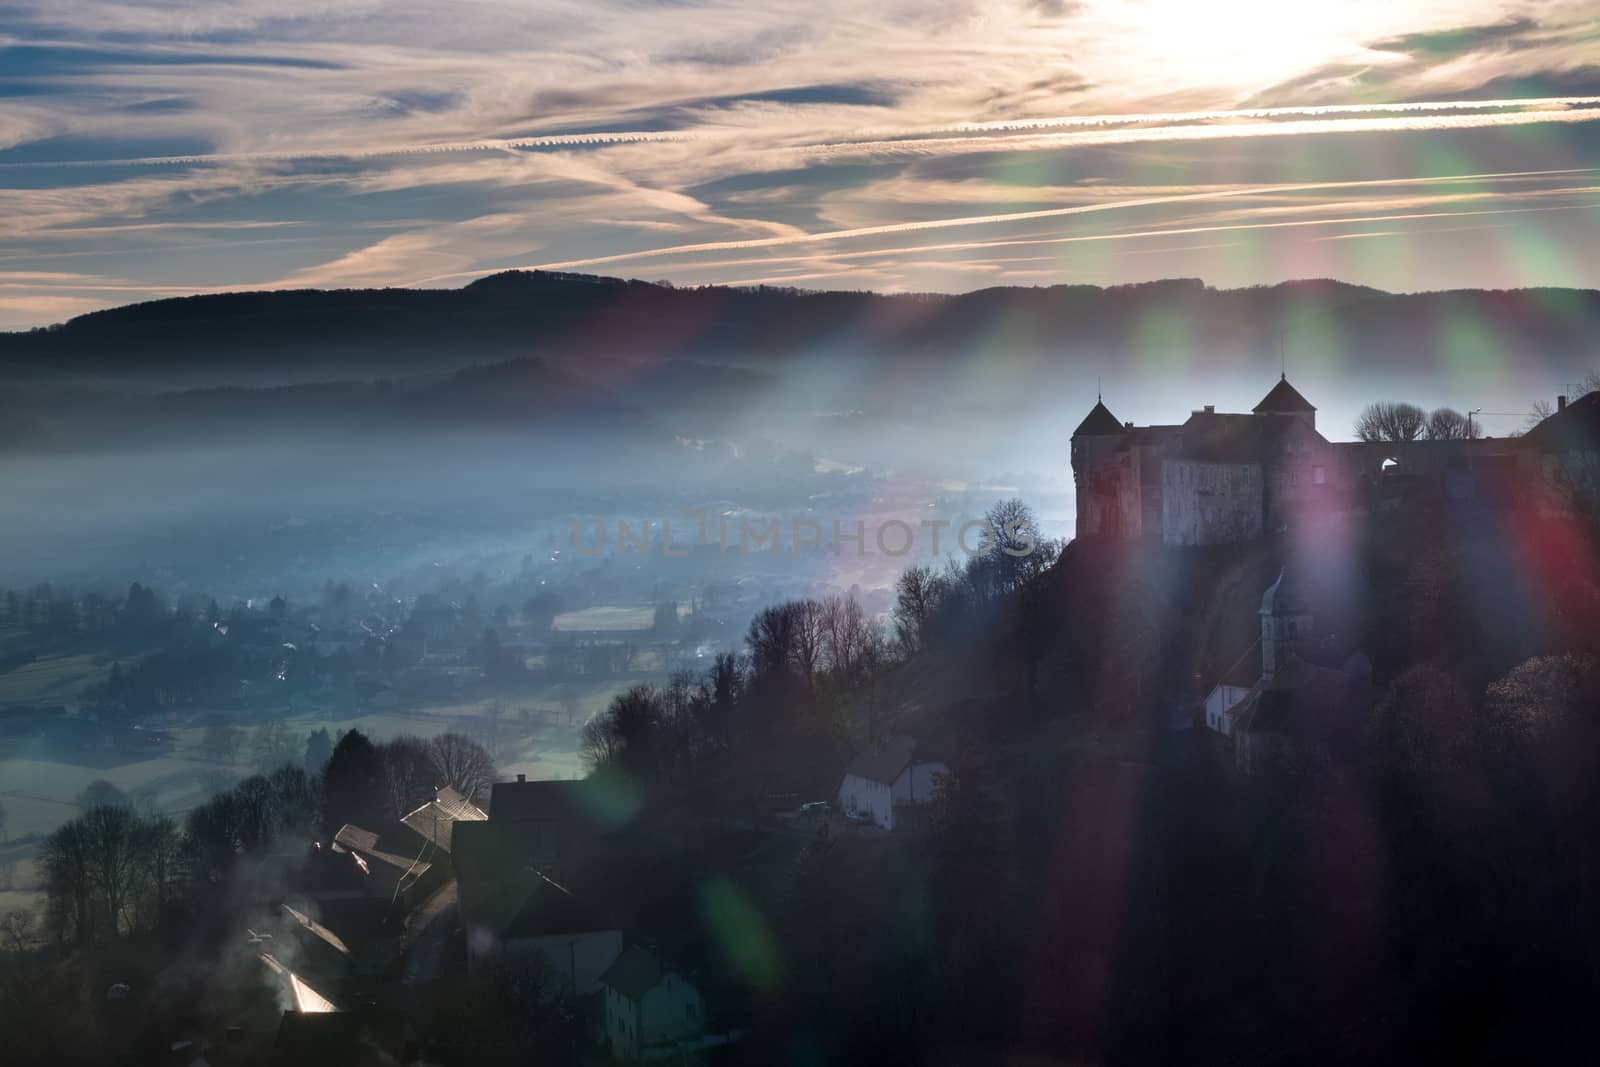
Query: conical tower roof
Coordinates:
[1098,423]
[1283,398]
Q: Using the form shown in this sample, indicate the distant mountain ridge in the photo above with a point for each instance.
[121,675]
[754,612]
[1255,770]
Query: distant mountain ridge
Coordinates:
[572,319]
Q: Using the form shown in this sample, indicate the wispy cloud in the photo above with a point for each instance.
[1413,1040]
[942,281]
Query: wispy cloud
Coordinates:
[285,142]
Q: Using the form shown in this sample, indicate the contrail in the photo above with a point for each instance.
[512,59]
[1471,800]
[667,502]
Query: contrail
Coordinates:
[1176,231]
[1068,238]
[489,144]
[1033,142]
[1016,216]
[1176,117]
[884,139]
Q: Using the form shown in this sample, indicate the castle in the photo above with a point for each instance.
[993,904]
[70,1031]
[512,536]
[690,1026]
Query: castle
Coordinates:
[1221,478]
[1214,479]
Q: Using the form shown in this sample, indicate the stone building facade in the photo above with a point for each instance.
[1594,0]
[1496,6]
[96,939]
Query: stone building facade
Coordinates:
[1213,479]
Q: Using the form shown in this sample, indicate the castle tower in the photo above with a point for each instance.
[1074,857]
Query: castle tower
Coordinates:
[1093,444]
[1285,399]
[1095,436]
[1285,622]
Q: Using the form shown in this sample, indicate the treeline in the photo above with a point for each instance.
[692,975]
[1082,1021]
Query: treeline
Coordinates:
[805,690]
[116,870]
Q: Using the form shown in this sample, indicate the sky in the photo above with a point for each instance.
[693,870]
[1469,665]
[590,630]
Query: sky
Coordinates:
[151,148]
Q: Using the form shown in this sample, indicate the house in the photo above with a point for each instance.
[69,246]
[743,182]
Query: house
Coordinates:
[434,821]
[1564,450]
[650,1010]
[360,863]
[889,774]
[511,910]
[558,824]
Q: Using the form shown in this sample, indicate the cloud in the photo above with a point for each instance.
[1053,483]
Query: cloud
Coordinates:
[367,143]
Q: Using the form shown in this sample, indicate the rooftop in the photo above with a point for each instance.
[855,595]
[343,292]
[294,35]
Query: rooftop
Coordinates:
[436,819]
[635,972]
[1574,428]
[1281,398]
[1099,422]
[884,761]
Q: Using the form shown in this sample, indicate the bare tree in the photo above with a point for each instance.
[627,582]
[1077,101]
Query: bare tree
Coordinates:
[69,880]
[844,635]
[1537,413]
[628,733]
[114,862]
[16,930]
[916,595]
[1448,424]
[462,764]
[158,845]
[1013,548]
[1389,421]
[408,773]
[806,652]
[212,840]
[771,640]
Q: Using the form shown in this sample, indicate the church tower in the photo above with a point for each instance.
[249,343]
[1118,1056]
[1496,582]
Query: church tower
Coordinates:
[1285,623]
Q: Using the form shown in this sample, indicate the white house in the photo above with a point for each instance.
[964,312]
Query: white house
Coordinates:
[650,1010]
[888,775]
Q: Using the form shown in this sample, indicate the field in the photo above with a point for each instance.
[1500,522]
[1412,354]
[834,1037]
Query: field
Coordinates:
[58,680]
[607,619]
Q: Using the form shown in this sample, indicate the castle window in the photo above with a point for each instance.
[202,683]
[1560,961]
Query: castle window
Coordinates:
[1294,477]
[1319,475]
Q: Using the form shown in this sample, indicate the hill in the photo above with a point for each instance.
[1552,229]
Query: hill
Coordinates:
[570,319]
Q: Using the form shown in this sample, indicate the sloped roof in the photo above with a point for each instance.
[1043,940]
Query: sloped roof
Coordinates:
[317,930]
[634,973]
[367,846]
[435,819]
[1149,437]
[884,761]
[1298,699]
[306,999]
[1098,423]
[1574,429]
[1283,397]
[552,909]
[503,887]
[555,800]
[1228,438]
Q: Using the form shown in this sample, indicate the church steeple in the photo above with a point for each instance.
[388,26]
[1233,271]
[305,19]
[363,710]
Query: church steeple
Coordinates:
[1285,622]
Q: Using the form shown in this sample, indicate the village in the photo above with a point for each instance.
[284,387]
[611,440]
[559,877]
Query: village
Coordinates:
[731,834]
